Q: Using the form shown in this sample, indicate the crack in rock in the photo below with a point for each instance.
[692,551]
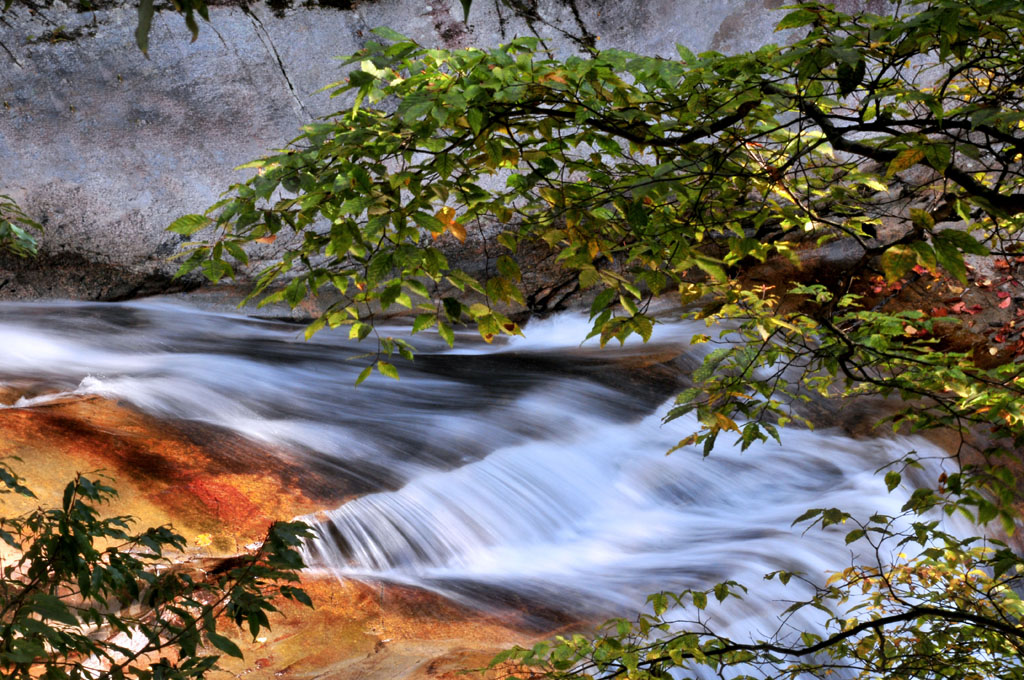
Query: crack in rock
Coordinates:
[268,42]
[6,49]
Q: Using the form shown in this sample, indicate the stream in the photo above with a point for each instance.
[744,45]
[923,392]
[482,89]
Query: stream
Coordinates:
[533,468]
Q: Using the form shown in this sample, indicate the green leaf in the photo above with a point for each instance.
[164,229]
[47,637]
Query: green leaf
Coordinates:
[390,34]
[904,160]
[416,110]
[446,332]
[922,219]
[387,369]
[949,245]
[224,644]
[849,78]
[962,240]
[796,19]
[423,321]
[951,259]
[854,535]
[236,251]
[300,595]
[892,479]
[721,591]
[476,120]
[364,374]
[925,255]
[52,608]
[897,261]
[215,270]
[144,25]
[712,267]
[603,299]
[452,308]
[685,54]
[808,514]
[189,224]
[417,287]
[359,330]
[938,156]
[986,512]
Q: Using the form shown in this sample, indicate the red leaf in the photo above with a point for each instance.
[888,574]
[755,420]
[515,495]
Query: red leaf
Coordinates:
[1005,303]
[958,307]
[1003,294]
[1001,264]
[940,311]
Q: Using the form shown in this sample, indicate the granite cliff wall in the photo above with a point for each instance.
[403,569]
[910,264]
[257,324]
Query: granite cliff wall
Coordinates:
[106,147]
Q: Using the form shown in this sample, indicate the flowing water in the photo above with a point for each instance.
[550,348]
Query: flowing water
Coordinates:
[534,468]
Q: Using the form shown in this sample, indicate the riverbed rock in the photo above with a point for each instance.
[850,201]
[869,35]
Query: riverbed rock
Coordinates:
[221,493]
[202,480]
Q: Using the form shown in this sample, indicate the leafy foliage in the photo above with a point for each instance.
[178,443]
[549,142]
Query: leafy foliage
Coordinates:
[16,229]
[896,140]
[84,596]
[644,174]
[188,9]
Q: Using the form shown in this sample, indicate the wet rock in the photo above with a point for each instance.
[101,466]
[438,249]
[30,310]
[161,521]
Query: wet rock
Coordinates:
[201,484]
[205,482]
[376,631]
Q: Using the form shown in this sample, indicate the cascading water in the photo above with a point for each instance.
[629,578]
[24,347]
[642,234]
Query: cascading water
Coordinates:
[535,467]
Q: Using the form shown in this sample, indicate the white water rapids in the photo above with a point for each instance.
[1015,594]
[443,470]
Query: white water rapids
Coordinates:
[534,468]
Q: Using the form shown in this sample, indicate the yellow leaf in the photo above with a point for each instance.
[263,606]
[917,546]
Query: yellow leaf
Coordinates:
[784,324]
[904,159]
[692,439]
[447,217]
[725,422]
[555,76]
[203,540]
[446,214]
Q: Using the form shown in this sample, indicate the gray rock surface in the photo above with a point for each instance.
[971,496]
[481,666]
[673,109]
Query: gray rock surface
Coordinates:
[106,147]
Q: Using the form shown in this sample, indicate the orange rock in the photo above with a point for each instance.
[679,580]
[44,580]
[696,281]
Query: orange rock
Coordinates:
[225,491]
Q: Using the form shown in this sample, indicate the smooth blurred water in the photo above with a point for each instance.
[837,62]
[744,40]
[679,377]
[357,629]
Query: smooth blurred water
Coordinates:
[533,468]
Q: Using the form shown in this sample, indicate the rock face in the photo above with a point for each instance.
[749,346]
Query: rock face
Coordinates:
[105,147]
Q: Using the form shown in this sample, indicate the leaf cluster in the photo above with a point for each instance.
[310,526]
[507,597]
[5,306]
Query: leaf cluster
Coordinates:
[897,133]
[85,596]
[16,229]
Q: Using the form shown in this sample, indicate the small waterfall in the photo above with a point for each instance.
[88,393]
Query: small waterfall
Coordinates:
[599,519]
[535,466]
